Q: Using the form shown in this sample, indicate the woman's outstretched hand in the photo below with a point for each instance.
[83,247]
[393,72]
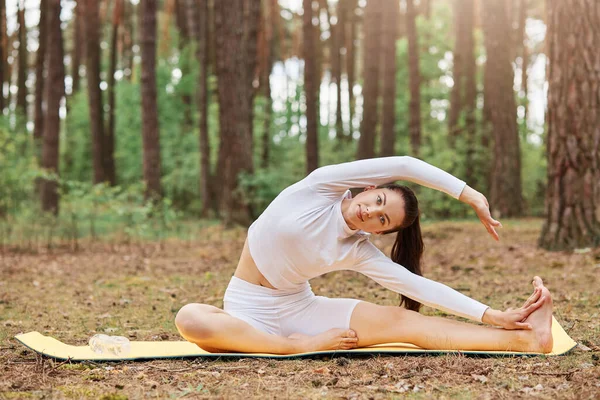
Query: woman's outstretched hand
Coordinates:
[481,206]
[514,318]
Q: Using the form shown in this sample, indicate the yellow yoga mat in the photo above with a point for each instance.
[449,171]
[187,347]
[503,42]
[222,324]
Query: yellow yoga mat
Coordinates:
[51,347]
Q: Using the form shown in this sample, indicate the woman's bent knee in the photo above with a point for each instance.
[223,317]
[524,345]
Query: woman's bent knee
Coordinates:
[193,320]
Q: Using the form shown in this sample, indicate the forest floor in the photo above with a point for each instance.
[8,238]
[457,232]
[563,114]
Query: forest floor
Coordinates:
[135,290]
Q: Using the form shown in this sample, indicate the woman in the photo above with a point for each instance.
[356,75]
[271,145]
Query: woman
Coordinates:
[315,226]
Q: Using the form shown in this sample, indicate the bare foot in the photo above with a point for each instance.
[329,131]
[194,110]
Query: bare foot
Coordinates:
[541,320]
[333,339]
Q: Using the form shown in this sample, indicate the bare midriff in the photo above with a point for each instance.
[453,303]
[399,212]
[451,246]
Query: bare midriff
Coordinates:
[248,271]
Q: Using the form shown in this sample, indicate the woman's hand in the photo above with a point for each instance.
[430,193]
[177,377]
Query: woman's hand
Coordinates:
[482,208]
[514,318]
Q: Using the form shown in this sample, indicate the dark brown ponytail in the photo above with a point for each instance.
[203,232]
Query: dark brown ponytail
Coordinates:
[408,247]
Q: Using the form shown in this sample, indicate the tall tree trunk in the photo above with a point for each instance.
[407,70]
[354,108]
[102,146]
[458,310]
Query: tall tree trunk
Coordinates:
[506,194]
[183,12]
[368,127]
[235,32]
[40,58]
[78,45]
[414,124]
[388,119]
[150,128]
[458,70]
[198,29]
[22,71]
[470,89]
[272,15]
[311,88]
[352,25]
[522,35]
[336,43]
[572,218]
[109,160]
[92,36]
[3,52]
[165,21]
[128,36]
[54,91]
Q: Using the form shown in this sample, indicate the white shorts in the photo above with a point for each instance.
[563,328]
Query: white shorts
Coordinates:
[283,312]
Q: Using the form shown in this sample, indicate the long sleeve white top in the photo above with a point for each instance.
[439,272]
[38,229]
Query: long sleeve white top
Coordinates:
[302,234]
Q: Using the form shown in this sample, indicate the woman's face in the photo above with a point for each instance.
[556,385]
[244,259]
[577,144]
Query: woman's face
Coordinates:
[375,210]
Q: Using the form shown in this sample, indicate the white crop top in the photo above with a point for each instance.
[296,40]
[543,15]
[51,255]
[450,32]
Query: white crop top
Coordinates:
[302,234]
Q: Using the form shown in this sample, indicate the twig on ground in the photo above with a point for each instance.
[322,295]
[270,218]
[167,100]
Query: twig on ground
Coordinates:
[556,373]
[172,370]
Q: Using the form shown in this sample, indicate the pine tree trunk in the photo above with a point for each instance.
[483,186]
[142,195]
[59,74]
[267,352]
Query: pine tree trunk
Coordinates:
[78,45]
[372,63]
[198,28]
[390,34]
[572,217]
[272,16]
[3,52]
[109,160]
[128,31]
[336,67]
[38,117]
[311,88]
[522,35]
[22,71]
[506,194]
[54,91]
[470,89]
[183,12]
[150,128]
[92,36]
[351,23]
[414,124]
[458,70]
[234,32]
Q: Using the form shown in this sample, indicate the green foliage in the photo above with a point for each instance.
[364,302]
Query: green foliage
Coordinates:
[18,169]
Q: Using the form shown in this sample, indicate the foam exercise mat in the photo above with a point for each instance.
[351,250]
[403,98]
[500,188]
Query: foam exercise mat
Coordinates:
[51,347]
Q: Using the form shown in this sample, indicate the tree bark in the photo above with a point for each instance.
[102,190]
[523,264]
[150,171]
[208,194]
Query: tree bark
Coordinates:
[22,71]
[470,89]
[390,34]
[54,91]
[3,52]
[92,33]
[78,45]
[128,32]
[458,70]
[336,66]
[572,205]
[150,127]
[235,33]
[506,194]
[198,28]
[38,117]
[368,127]
[414,124]
[522,35]
[311,88]
[351,26]
[109,160]
[272,15]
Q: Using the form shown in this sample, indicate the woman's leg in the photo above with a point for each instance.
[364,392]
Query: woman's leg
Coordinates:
[214,330]
[380,324]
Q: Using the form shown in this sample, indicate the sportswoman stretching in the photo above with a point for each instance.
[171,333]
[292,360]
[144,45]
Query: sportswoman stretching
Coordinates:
[314,227]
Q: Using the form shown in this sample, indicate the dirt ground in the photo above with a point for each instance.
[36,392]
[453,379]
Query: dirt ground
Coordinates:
[135,290]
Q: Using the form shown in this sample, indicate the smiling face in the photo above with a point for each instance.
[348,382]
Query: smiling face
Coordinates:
[374,210]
